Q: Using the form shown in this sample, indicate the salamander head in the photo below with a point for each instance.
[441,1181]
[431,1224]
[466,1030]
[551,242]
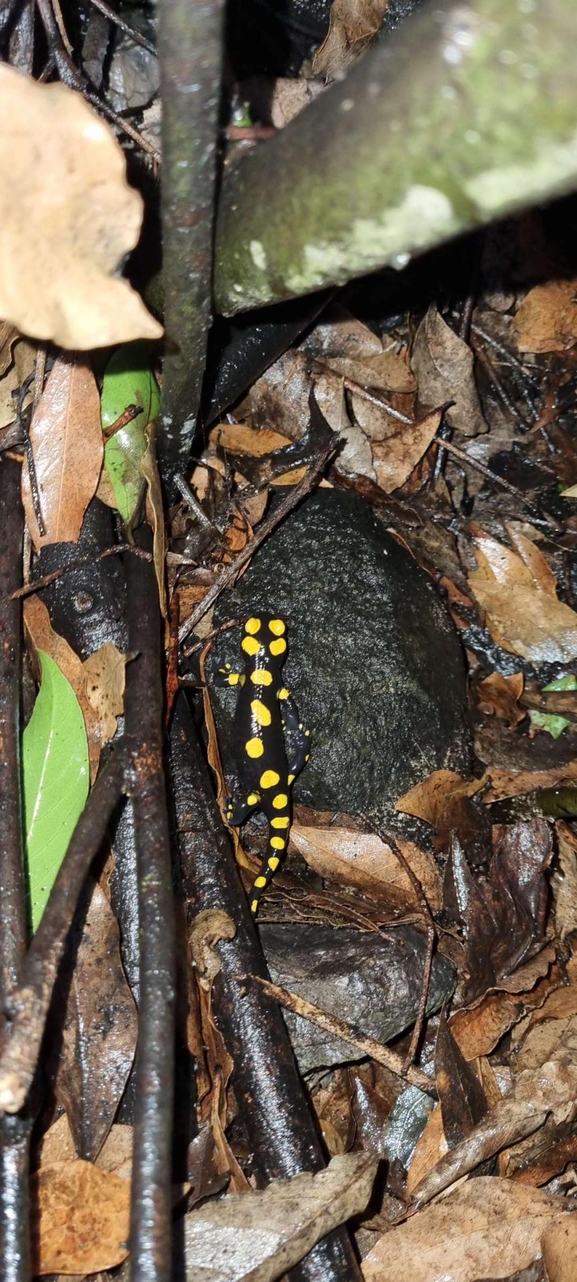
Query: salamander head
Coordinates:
[264,635]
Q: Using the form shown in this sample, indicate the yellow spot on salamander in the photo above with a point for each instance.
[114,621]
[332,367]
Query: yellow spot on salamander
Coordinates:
[253,798]
[260,712]
[250,645]
[269,779]
[277,647]
[233,678]
[260,677]
[260,882]
[280,801]
[277,626]
[308,756]
[290,779]
[277,843]
[283,693]
[280,823]
[254,747]
[273,863]
[252,626]
[254,906]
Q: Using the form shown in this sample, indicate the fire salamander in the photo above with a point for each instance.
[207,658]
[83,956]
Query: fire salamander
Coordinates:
[270,742]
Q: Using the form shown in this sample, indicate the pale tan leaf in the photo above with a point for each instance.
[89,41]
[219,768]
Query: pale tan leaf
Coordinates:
[488,1228]
[401,448]
[354,24]
[559,1245]
[363,860]
[522,615]
[546,320]
[67,444]
[82,1219]
[105,674]
[533,558]
[239,438]
[444,364]
[565,882]
[68,220]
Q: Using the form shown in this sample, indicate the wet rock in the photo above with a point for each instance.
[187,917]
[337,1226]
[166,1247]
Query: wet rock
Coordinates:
[371,980]
[374,661]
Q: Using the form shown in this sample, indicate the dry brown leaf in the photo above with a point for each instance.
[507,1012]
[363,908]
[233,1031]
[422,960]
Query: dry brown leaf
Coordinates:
[239,438]
[546,320]
[105,673]
[344,346]
[436,798]
[516,592]
[68,219]
[478,1029]
[565,882]
[17,360]
[507,783]
[398,452]
[444,367]
[430,1147]
[57,1147]
[67,444]
[363,860]
[559,1243]
[80,1219]
[354,24]
[488,1228]
[498,697]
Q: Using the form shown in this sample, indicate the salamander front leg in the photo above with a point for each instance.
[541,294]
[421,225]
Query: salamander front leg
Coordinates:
[236,810]
[297,738]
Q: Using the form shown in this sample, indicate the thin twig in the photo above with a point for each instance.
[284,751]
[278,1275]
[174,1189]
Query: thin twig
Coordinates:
[30,1002]
[373,399]
[505,352]
[501,391]
[492,476]
[36,585]
[348,1032]
[135,35]
[128,415]
[229,575]
[34,490]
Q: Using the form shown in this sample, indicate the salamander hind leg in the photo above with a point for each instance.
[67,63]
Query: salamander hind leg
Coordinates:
[279,826]
[298,739]
[236,810]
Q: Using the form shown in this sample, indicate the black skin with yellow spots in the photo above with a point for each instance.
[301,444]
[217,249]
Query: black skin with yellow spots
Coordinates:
[265,713]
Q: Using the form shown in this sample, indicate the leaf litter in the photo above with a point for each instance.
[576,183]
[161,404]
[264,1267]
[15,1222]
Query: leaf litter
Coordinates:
[501,885]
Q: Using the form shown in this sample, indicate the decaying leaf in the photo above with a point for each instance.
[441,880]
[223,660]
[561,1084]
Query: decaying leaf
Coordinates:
[489,1228]
[354,24]
[363,860]
[80,1219]
[546,320]
[559,1244]
[502,917]
[68,220]
[498,697]
[517,592]
[479,1028]
[565,881]
[105,676]
[461,1095]
[398,451]
[99,1030]
[262,1235]
[443,799]
[68,450]
[17,360]
[444,364]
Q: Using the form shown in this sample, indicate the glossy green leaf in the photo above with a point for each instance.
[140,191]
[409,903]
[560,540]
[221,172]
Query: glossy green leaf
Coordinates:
[553,722]
[56,781]
[128,380]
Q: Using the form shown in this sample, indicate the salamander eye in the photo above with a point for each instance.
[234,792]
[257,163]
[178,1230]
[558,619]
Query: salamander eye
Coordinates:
[277,626]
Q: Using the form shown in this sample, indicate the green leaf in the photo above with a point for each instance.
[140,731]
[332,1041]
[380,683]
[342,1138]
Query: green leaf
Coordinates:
[552,722]
[128,380]
[56,781]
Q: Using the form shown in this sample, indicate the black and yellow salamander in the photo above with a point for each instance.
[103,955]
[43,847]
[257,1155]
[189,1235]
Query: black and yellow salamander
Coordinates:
[270,743]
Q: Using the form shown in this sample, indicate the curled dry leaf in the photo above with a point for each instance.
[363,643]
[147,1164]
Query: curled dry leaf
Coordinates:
[68,450]
[363,860]
[68,220]
[489,1228]
[443,364]
[80,1219]
[516,591]
[498,697]
[546,320]
[401,447]
[354,24]
[105,676]
[268,1232]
